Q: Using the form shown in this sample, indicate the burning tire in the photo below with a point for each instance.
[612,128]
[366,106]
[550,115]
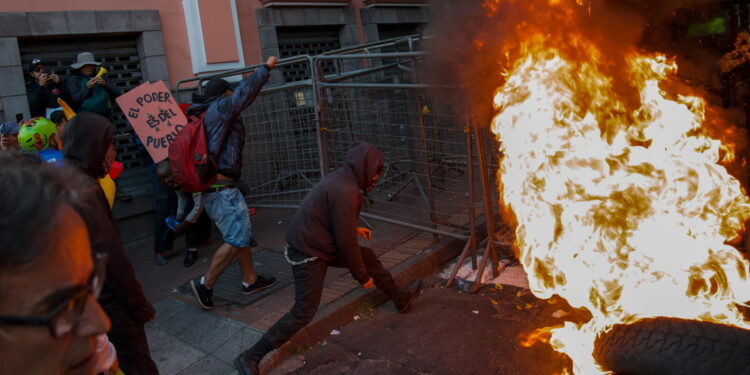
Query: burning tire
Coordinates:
[666,346]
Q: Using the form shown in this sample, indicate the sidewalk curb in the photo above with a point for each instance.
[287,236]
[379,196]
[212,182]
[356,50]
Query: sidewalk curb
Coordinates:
[341,312]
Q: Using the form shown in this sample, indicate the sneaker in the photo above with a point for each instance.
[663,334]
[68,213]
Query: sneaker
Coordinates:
[172,222]
[412,292]
[259,284]
[190,258]
[202,294]
[160,259]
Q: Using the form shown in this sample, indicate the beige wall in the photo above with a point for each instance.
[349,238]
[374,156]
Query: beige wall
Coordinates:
[249,30]
[215,16]
[170,11]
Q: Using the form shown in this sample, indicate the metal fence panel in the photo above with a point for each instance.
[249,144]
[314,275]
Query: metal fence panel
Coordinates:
[281,155]
[298,131]
[424,181]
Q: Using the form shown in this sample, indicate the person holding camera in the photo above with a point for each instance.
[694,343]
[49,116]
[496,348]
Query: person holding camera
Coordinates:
[42,89]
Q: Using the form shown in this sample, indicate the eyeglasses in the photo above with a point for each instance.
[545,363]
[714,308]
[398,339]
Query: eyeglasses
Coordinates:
[64,318]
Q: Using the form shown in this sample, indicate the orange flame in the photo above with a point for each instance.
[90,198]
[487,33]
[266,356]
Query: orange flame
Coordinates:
[622,209]
[539,335]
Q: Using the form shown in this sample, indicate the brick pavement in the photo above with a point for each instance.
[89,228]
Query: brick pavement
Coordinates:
[187,340]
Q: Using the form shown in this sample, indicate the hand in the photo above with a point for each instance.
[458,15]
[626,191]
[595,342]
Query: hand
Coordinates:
[364,233]
[43,78]
[100,81]
[55,78]
[369,284]
[271,62]
[92,82]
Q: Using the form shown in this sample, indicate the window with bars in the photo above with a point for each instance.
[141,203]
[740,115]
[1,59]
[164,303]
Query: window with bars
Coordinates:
[395,30]
[294,41]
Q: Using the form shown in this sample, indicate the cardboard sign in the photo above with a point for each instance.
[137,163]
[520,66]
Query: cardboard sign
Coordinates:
[155,116]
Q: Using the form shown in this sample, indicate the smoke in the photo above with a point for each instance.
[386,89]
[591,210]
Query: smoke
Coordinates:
[474,40]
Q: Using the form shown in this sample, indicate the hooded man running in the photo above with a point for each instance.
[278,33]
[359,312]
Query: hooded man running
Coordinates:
[323,233]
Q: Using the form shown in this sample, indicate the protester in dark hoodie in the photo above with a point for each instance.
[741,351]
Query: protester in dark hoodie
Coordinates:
[224,202]
[323,233]
[88,144]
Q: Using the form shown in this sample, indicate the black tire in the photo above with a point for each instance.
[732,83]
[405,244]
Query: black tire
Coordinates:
[668,346]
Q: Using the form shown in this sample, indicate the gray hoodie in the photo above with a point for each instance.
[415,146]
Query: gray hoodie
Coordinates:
[325,225]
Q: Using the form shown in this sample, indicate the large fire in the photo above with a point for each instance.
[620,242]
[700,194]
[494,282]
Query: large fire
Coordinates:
[623,209]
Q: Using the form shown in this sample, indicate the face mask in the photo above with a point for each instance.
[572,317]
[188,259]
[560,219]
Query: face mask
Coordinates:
[109,158]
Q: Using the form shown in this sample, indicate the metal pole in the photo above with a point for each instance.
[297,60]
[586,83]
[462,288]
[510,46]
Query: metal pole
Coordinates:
[424,150]
[472,195]
[232,72]
[379,85]
[378,218]
[317,70]
[415,226]
[490,251]
[470,246]
[371,55]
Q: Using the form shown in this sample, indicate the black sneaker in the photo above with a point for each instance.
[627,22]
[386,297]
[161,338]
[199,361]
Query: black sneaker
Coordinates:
[412,292]
[202,294]
[259,284]
[190,258]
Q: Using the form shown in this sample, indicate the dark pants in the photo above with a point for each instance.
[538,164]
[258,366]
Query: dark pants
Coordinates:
[129,338]
[165,204]
[308,288]
[199,231]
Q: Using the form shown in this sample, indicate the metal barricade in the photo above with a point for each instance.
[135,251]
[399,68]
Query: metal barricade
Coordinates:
[421,132]
[281,156]
[299,131]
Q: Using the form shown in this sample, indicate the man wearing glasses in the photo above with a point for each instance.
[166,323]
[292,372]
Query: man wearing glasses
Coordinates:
[49,315]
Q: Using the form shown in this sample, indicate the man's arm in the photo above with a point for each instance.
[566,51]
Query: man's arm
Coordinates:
[197,209]
[344,214]
[247,90]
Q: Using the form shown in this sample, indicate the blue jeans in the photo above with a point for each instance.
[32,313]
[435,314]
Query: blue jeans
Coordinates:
[228,210]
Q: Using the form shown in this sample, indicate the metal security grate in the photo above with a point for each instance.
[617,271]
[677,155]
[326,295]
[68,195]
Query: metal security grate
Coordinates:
[396,30]
[294,41]
[119,55]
